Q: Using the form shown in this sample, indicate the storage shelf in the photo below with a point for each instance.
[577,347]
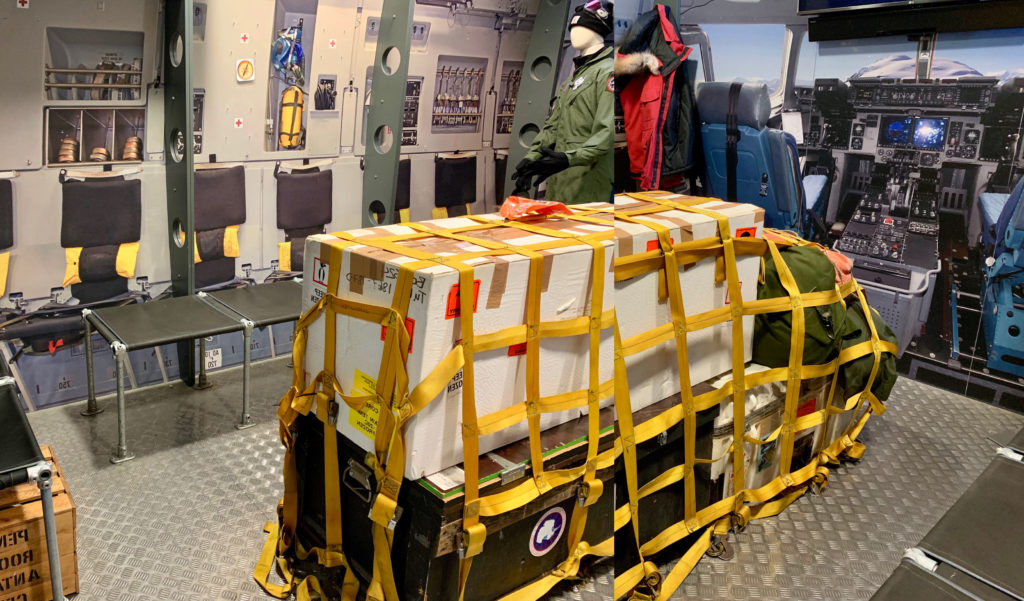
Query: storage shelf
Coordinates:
[91,164]
[93,127]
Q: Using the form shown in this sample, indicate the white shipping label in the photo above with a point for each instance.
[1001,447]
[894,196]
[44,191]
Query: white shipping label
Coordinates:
[213,358]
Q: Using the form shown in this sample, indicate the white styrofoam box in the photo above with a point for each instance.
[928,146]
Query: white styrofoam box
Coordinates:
[433,437]
[653,373]
[763,414]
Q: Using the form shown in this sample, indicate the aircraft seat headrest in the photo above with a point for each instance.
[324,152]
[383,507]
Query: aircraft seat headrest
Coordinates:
[752,108]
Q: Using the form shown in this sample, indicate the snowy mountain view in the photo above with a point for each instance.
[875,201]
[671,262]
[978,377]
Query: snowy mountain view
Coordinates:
[773,84]
[902,66]
[1005,76]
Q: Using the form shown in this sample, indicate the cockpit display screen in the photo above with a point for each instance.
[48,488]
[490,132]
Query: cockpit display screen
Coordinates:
[930,134]
[895,131]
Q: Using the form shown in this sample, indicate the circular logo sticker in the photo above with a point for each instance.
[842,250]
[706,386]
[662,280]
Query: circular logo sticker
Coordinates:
[611,84]
[548,530]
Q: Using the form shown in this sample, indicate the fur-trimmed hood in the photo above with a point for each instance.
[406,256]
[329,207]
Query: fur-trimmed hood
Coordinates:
[637,62]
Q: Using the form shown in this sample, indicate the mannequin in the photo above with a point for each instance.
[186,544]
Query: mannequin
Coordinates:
[573,151]
[585,40]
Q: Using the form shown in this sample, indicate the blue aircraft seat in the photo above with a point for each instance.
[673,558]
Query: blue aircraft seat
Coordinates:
[746,161]
[996,211]
[814,186]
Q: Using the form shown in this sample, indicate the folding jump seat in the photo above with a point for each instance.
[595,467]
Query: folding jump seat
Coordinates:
[101,223]
[454,184]
[304,208]
[746,161]
[219,211]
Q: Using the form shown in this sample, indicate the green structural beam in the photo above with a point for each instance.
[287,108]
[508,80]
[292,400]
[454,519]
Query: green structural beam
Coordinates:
[384,122]
[177,71]
[538,82]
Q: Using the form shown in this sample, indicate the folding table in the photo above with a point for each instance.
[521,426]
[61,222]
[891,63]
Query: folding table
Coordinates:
[165,321]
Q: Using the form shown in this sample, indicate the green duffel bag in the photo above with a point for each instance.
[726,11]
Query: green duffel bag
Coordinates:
[824,325]
[853,376]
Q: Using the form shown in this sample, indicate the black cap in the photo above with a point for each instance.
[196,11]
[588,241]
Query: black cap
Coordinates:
[595,16]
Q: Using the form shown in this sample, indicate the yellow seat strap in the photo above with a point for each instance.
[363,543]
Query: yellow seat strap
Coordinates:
[127,254]
[284,256]
[5,263]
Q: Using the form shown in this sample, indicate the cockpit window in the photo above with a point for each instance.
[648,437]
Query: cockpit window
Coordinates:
[996,53]
[875,57]
[747,53]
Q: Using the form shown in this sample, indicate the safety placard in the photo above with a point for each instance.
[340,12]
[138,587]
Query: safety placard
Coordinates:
[320,271]
[452,307]
[656,244]
[365,419]
[213,358]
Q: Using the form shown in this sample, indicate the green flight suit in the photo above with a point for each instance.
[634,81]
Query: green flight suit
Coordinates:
[581,125]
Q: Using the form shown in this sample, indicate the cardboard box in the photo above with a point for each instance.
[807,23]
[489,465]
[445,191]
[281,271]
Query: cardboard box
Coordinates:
[433,437]
[24,563]
[653,373]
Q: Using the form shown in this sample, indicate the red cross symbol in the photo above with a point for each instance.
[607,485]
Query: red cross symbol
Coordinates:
[245,36]
[23,3]
[333,43]
[238,123]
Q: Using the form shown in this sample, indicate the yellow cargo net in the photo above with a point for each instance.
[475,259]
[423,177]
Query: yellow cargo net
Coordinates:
[643,581]
[398,404]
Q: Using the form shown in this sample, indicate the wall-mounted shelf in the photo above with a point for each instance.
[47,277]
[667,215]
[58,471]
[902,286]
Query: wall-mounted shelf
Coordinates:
[458,94]
[508,92]
[90,128]
[93,67]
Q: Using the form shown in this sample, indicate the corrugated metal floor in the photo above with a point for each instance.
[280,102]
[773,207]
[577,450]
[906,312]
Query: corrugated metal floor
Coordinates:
[184,520]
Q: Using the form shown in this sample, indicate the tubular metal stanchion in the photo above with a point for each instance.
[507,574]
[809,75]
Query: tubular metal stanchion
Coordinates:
[122,454]
[202,382]
[44,479]
[291,358]
[91,406]
[246,369]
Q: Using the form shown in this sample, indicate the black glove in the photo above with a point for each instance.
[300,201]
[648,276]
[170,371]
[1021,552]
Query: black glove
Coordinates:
[523,177]
[549,163]
[523,169]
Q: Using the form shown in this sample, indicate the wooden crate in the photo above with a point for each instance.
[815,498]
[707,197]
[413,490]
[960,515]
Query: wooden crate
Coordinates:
[24,563]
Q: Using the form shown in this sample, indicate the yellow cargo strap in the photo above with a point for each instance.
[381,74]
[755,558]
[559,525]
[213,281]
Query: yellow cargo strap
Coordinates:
[398,404]
[744,505]
[127,255]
